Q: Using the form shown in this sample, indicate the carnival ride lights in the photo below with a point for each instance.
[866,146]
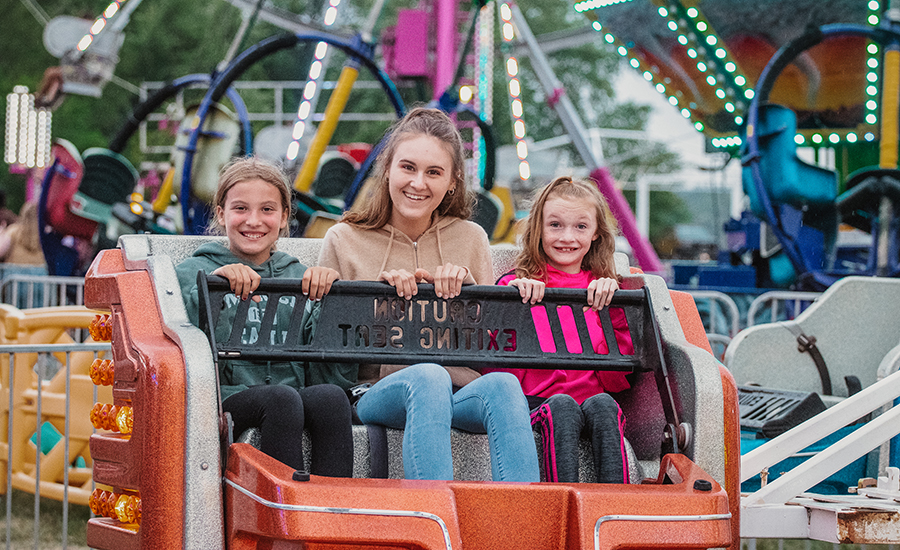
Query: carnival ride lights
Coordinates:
[723,73]
[482,91]
[866,202]
[338,100]
[316,73]
[27,131]
[121,506]
[99,25]
[872,91]
[594,4]
[515,92]
[357,49]
[713,59]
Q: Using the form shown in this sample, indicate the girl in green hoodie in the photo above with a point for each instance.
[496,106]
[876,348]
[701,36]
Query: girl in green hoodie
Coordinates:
[252,209]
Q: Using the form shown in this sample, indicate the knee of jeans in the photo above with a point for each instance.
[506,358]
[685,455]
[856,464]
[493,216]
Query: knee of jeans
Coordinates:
[430,376]
[508,385]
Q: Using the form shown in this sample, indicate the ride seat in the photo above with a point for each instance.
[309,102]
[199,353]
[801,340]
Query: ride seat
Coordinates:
[802,195]
[853,325]
[873,193]
[378,452]
[65,176]
[788,179]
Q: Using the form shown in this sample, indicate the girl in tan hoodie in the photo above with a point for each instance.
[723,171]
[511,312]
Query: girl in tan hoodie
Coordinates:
[414,229]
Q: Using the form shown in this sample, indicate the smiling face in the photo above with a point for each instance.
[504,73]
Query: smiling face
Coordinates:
[252,217]
[569,228]
[419,176]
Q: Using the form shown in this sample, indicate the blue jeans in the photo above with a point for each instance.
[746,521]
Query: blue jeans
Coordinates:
[420,399]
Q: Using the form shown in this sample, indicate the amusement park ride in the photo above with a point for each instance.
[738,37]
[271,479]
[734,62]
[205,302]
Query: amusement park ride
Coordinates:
[764,81]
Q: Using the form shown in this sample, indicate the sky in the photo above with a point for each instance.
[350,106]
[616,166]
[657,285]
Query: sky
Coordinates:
[678,134]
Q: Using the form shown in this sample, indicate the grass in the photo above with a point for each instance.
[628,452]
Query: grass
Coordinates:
[802,544]
[50,531]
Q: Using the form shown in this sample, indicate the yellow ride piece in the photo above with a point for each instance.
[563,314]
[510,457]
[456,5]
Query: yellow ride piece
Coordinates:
[336,104]
[504,232]
[51,325]
[164,197]
[890,96]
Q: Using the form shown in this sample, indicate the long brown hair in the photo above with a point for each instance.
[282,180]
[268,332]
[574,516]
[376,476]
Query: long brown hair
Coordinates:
[245,169]
[459,199]
[30,234]
[532,260]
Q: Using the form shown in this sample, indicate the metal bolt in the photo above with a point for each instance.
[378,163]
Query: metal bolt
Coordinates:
[204,465]
[169,291]
[666,308]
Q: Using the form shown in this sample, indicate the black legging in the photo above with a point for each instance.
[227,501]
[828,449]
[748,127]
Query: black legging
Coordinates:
[560,421]
[281,412]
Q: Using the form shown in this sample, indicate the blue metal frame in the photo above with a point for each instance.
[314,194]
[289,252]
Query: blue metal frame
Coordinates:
[141,111]
[355,48]
[782,58]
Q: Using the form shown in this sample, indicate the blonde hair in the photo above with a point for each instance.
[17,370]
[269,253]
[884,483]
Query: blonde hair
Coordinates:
[245,169]
[30,234]
[458,201]
[532,260]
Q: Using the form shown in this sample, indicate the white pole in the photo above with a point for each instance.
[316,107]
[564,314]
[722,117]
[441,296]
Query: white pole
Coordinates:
[642,206]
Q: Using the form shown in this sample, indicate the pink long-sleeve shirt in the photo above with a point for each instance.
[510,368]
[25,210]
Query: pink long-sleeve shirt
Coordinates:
[579,384]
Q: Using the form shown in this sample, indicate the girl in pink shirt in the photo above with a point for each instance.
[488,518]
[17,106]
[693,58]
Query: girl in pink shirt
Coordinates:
[569,241]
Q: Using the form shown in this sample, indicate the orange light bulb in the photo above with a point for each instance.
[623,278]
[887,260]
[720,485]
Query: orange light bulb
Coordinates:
[105,417]
[96,376]
[122,512]
[95,502]
[108,372]
[100,328]
[110,505]
[125,419]
[95,415]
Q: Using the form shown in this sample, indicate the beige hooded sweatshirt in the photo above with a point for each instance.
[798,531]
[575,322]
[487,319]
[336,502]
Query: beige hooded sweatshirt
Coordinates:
[362,254]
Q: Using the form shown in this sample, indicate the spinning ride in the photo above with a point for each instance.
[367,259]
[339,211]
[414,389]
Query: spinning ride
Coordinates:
[718,62]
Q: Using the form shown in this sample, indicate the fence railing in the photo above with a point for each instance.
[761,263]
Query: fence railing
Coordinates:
[783,305]
[720,316]
[723,318]
[30,291]
[48,396]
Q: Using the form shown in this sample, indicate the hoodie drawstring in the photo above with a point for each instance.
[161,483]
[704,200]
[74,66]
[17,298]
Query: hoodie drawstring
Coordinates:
[437,230]
[387,252]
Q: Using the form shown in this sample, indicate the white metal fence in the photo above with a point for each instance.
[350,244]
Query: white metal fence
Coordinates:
[723,318]
[44,371]
[29,291]
[782,305]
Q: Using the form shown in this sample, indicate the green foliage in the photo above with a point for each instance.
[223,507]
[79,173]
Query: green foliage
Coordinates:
[167,39]
[666,211]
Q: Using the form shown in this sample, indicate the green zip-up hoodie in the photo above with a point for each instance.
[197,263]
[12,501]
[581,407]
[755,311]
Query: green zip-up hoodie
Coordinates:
[237,375]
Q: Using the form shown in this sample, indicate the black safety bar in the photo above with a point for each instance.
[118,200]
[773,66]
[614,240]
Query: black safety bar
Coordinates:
[366,322]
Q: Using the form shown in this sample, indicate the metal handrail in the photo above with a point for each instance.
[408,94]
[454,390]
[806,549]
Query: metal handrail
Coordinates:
[727,302]
[45,349]
[776,296]
[54,289]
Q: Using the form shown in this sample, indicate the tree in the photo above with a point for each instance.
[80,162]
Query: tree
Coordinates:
[167,39]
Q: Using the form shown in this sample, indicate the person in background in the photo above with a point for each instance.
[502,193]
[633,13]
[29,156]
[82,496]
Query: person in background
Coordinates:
[252,209]
[414,229]
[22,256]
[7,216]
[568,242]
